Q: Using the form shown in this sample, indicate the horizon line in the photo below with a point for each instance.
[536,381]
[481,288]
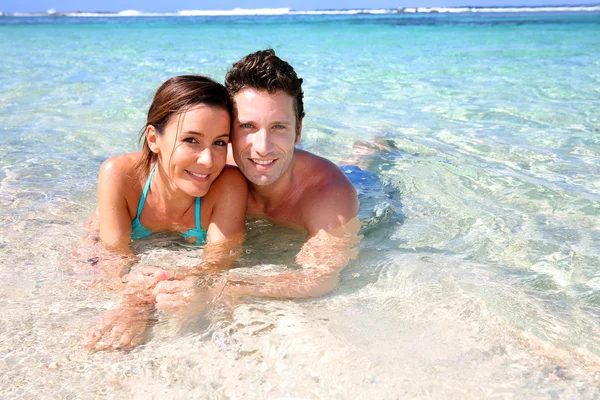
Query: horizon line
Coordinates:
[288,11]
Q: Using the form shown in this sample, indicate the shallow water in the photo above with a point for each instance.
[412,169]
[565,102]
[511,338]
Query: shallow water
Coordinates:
[478,274]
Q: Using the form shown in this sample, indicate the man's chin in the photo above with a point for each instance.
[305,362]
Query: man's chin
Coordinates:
[262,180]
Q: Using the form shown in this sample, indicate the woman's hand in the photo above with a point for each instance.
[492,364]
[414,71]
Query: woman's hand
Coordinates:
[120,329]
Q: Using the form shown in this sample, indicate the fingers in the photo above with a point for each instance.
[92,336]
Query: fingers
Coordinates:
[181,303]
[169,299]
[158,273]
[170,287]
[169,303]
[117,338]
[95,335]
[175,296]
[91,339]
[118,330]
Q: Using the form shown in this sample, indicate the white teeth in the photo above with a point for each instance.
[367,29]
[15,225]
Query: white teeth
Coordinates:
[262,162]
[198,175]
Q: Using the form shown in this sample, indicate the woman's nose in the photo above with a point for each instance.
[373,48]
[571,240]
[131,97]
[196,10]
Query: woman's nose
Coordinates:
[205,157]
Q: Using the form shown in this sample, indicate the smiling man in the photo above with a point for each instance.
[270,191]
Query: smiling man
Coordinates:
[287,186]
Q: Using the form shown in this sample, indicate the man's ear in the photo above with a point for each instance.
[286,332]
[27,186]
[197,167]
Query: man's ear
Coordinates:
[298,133]
[151,138]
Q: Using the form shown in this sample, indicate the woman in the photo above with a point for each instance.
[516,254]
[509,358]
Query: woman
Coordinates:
[178,183]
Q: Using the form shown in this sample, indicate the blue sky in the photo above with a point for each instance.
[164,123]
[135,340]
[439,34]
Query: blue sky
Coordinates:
[175,5]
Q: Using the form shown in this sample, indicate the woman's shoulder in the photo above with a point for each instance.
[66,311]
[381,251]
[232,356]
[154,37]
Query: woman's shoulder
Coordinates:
[231,178]
[121,165]
[229,185]
[121,162]
[121,169]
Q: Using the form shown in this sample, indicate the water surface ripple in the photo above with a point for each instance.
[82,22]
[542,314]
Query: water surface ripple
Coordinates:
[479,271]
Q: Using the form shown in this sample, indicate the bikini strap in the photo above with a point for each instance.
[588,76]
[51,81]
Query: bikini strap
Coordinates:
[198,213]
[145,192]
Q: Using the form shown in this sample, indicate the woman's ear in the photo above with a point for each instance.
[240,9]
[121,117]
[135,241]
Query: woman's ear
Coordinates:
[151,139]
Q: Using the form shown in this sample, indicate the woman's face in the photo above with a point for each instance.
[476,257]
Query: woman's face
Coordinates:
[192,150]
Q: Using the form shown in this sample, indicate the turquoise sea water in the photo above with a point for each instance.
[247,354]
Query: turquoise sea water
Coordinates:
[479,271]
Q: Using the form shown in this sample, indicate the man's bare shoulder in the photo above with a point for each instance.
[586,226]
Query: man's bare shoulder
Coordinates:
[324,173]
[329,199]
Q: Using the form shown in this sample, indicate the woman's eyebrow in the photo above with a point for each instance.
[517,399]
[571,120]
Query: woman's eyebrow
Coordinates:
[202,134]
[193,133]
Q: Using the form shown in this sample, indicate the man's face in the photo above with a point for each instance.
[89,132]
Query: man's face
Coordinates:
[264,134]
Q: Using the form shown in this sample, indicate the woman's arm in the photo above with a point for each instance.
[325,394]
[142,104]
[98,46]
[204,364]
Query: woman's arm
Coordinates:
[226,233]
[106,256]
[228,216]
[114,183]
[228,199]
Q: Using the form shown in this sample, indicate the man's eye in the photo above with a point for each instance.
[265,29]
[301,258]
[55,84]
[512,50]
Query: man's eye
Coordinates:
[246,126]
[279,127]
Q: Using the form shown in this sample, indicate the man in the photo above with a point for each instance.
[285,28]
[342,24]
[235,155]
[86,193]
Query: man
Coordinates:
[288,186]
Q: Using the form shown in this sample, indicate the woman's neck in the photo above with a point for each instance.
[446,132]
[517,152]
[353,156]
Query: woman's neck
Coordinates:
[167,198]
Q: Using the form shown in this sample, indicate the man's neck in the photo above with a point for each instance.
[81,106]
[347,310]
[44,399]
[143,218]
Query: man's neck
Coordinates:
[270,197]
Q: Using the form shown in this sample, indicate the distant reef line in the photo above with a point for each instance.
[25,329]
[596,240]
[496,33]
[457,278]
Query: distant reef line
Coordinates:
[288,11]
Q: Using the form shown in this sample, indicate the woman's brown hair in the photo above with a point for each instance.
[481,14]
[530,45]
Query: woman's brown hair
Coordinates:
[174,97]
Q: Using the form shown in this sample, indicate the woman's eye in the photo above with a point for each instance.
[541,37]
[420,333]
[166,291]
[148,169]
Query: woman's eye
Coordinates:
[190,140]
[221,143]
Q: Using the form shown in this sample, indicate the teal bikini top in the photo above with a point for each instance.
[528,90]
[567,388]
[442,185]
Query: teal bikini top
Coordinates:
[139,231]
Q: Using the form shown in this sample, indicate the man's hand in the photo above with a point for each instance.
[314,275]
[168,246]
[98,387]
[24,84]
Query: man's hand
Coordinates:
[187,296]
[120,329]
[139,284]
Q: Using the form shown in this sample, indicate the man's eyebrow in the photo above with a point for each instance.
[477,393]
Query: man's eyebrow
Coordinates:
[251,121]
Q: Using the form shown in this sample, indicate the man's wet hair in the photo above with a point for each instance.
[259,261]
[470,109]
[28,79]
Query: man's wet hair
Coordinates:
[263,70]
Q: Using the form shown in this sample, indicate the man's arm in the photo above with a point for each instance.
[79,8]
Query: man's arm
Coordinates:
[332,224]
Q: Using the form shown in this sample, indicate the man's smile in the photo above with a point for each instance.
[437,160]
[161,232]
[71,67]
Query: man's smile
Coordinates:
[263,163]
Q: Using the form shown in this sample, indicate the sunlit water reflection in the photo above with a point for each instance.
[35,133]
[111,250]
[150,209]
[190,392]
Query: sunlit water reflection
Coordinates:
[478,274]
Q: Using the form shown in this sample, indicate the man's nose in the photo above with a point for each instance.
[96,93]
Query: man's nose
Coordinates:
[261,142]
[205,157]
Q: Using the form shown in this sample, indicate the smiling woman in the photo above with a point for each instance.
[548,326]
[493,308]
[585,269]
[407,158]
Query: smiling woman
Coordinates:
[184,152]
[178,183]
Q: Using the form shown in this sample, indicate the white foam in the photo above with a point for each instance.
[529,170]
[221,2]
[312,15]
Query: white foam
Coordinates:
[235,12]
[130,13]
[426,10]
[288,11]
[535,9]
